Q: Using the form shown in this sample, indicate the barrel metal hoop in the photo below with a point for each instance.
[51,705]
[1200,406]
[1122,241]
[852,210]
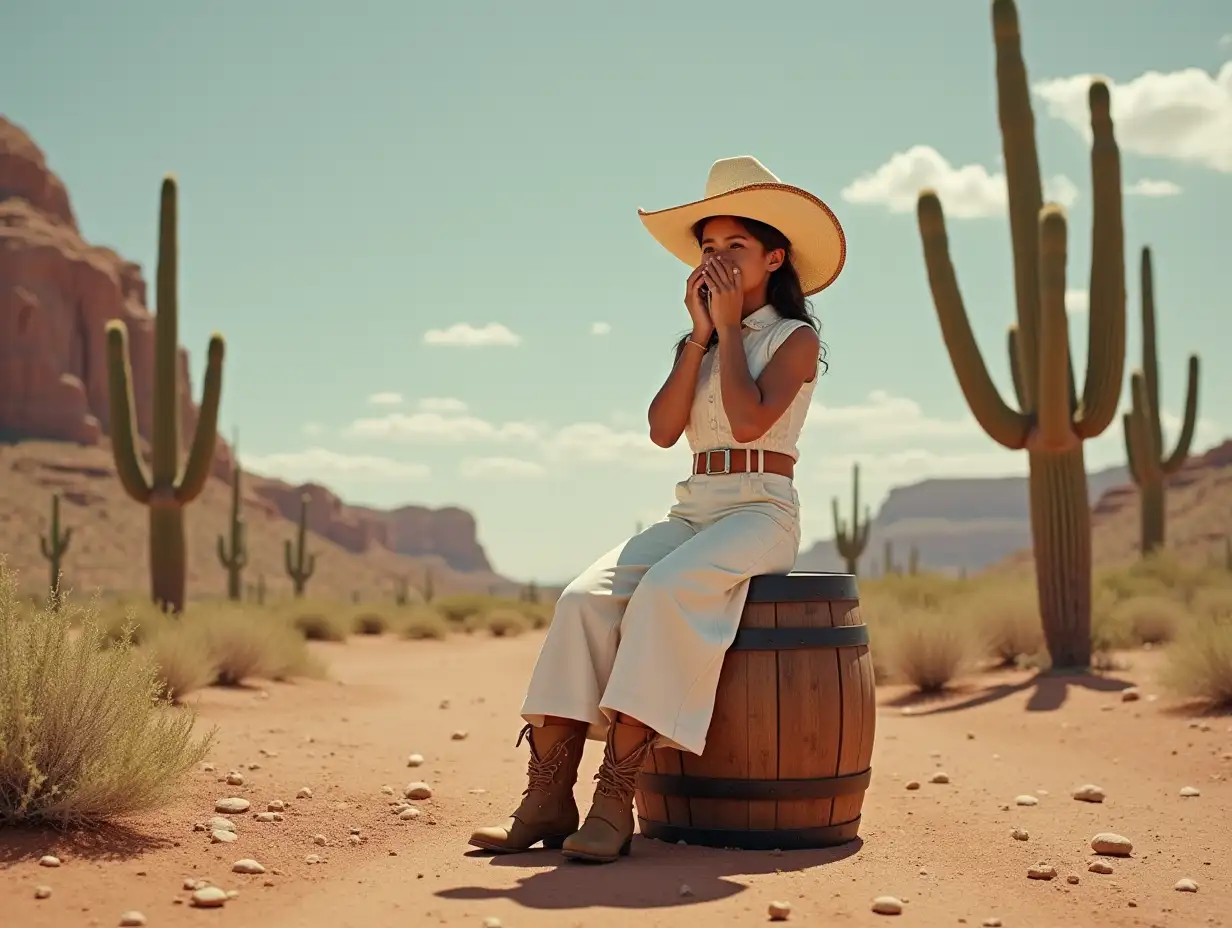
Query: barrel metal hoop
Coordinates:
[694,787]
[801,638]
[785,839]
[803,587]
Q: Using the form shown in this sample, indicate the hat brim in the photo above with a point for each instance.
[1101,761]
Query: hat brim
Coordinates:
[818,245]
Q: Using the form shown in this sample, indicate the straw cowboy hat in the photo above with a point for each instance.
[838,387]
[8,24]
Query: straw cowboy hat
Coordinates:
[743,187]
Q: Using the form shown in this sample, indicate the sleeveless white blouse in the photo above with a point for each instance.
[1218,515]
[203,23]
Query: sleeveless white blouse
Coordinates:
[709,429]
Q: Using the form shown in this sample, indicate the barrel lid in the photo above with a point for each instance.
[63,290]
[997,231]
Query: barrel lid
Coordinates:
[802,586]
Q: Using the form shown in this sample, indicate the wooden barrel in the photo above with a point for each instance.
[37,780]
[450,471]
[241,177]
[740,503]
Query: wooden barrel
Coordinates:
[787,755]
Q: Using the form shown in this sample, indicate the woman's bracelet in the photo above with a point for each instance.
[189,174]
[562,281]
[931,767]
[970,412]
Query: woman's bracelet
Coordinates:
[689,341]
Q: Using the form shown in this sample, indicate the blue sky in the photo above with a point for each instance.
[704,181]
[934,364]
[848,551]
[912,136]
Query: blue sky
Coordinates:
[365,185]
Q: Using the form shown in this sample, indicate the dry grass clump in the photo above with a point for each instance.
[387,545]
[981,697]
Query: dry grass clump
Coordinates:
[928,649]
[244,648]
[83,737]
[1008,620]
[136,619]
[1199,661]
[369,622]
[1150,619]
[502,621]
[181,657]
[318,624]
[420,622]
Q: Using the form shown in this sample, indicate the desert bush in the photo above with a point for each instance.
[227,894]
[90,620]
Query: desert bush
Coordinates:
[457,608]
[135,618]
[1198,663]
[923,591]
[420,622]
[1007,618]
[316,624]
[244,649]
[83,737]
[180,654]
[1213,603]
[1149,619]
[502,621]
[370,623]
[927,649]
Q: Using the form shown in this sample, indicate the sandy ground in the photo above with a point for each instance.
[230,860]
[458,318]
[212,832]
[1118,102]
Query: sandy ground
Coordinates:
[945,850]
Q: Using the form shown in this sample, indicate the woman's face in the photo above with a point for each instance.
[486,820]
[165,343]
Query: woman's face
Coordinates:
[726,236]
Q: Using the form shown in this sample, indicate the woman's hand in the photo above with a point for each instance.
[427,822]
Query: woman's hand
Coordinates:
[702,324]
[726,294]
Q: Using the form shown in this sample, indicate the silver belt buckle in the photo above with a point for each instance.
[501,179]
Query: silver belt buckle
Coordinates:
[726,452]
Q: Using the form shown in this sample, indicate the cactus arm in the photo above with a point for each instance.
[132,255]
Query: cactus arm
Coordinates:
[201,456]
[310,567]
[165,437]
[1053,415]
[1150,341]
[222,552]
[1004,425]
[1147,450]
[1131,449]
[241,555]
[129,468]
[1101,393]
[66,540]
[865,529]
[287,559]
[1011,340]
[46,548]
[1188,424]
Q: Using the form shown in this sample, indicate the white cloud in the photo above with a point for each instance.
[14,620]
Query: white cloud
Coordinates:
[320,464]
[1077,301]
[465,335]
[312,429]
[1184,115]
[441,427]
[443,404]
[882,418]
[502,467]
[597,443]
[385,399]
[601,328]
[1153,188]
[1225,41]
[967,192]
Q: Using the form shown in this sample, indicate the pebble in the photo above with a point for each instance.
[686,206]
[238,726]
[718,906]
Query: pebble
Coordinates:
[247,865]
[304,793]
[491,922]
[218,836]
[387,790]
[313,859]
[686,889]
[1132,694]
[1186,885]
[1025,800]
[418,790]
[888,905]
[217,823]
[778,911]
[458,735]
[233,806]
[1072,879]
[913,784]
[208,768]
[235,778]
[209,897]
[939,777]
[409,813]
[1089,792]
[133,919]
[1111,844]
[266,816]
[49,860]
[991,922]
[1099,866]
[415,760]
[42,892]
[320,840]
[276,805]
[1190,792]
[1042,871]
[354,839]
[1020,834]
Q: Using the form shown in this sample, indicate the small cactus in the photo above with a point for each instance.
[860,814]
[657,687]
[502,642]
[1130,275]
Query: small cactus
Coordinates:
[53,546]
[299,563]
[429,589]
[402,590]
[530,593]
[888,566]
[235,560]
[851,541]
[913,561]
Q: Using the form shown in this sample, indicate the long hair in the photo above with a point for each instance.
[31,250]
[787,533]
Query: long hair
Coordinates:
[783,291]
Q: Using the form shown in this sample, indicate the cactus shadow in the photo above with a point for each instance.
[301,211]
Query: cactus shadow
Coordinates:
[1049,691]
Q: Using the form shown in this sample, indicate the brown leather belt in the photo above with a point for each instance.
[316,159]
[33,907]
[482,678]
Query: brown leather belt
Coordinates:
[743,461]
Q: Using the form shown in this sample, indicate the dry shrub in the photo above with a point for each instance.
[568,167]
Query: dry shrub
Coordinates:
[1199,662]
[83,737]
[459,608]
[879,612]
[1008,619]
[923,591]
[421,622]
[1149,619]
[135,618]
[503,622]
[928,649]
[370,623]
[243,648]
[319,625]
[1213,603]
[180,655]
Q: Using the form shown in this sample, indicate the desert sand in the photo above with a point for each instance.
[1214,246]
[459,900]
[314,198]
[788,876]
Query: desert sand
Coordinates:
[944,849]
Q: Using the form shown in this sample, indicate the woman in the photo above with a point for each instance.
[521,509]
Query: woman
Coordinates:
[637,641]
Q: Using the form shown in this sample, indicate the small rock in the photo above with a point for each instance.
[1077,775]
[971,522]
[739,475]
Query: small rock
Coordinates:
[491,922]
[888,905]
[1111,845]
[387,790]
[217,823]
[1042,871]
[233,893]
[49,860]
[219,836]
[458,735]
[233,806]
[409,813]
[42,892]
[247,865]
[1020,834]
[1099,866]
[208,768]
[276,805]
[418,790]
[1089,793]
[1190,792]
[415,760]
[1131,694]
[939,777]
[970,736]
[778,911]
[991,922]
[1072,879]
[209,897]
[312,859]
[304,793]
[1025,800]
[266,816]
[1186,885]
[686,889]
[235,778]
[320,840]
[133,919]
[913,784]
[354,839]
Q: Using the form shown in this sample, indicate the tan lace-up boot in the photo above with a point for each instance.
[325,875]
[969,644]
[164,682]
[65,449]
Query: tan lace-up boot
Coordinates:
[548,812]
[608,830]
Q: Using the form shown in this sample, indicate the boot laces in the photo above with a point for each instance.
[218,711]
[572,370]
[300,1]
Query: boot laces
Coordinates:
[541,771]
[618,778]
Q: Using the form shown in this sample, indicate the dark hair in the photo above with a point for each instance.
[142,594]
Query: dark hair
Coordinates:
[783,291]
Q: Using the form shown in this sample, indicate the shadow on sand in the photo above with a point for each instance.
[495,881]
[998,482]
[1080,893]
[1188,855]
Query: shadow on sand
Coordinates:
[112,842]
[1050,692]
[651,877]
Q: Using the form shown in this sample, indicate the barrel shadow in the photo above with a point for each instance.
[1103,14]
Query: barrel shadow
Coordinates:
[651,877]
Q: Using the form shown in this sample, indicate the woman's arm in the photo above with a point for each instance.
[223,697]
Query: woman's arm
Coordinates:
[669,410]
[753,406]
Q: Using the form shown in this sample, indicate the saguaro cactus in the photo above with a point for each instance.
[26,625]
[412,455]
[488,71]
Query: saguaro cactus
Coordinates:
[851,541]
[165,490]
[300,564]
[1051,422]
[1143,433]
[235,559]
[53,545]
[888,567]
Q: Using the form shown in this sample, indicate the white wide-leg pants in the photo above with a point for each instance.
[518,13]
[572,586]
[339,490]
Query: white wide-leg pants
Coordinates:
[644,629]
